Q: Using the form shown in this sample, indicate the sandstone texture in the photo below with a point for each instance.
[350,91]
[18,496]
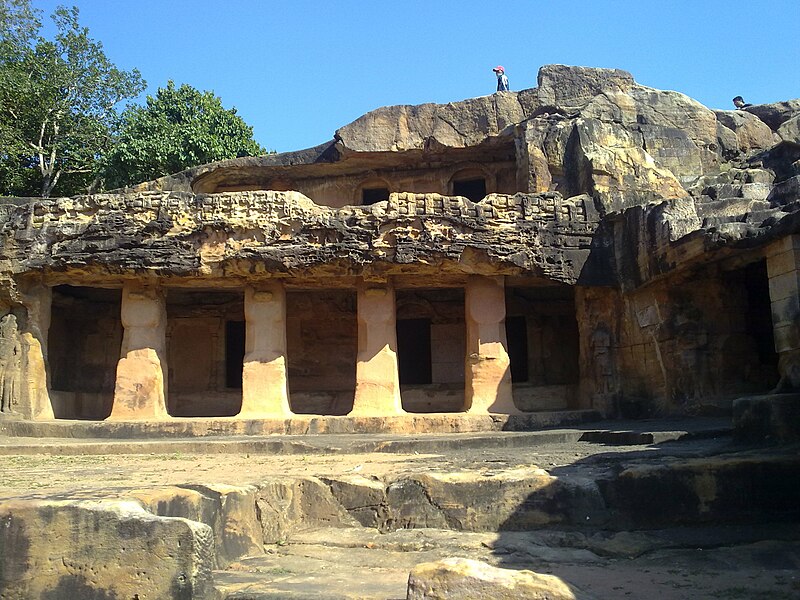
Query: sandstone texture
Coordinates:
[230,511]
[101,550]
[453,578]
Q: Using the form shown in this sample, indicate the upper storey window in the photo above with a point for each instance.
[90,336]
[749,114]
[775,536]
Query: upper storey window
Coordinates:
[373,195]
[473,188]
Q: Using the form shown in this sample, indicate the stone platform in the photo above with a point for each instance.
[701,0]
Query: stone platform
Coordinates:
[434,423]
[203,436]
[645,507]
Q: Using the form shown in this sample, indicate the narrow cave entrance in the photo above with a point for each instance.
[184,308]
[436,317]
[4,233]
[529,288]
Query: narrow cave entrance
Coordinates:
[474,189]
[84,344]
[205,352]
[234,353]
[374,195]
[543,345]
[517,339]
[322,349]
[758,317]
[431,348]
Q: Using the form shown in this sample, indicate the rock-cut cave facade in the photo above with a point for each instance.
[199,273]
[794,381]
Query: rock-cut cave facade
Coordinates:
[590,243]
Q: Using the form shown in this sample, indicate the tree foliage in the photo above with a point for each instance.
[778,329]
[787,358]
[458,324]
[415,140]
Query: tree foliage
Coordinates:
[57,102]
[179,127]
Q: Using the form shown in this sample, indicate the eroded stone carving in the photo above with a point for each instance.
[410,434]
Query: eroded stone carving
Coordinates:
[10,363]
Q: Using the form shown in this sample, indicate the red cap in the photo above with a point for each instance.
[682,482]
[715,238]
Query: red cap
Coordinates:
[499,68]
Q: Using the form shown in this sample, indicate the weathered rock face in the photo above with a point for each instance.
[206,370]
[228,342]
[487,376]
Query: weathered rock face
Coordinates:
[229,511]
[789,131]
[286,234]
[110,549]
[749,133]
[775,114]
[582,130]
[455,125]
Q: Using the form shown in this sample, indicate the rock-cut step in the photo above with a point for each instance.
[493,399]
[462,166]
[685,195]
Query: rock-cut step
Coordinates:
[674,564]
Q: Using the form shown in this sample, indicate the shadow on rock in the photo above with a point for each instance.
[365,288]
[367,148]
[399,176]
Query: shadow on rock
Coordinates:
[74,587]
[622,505]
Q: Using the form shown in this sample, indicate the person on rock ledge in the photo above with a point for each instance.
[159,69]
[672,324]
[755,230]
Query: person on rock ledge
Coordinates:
[502,80]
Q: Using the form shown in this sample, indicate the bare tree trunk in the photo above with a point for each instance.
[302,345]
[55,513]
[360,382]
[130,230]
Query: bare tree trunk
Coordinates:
[47,167]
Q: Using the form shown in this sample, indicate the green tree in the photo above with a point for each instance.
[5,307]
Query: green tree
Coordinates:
[179,127]
[57,102]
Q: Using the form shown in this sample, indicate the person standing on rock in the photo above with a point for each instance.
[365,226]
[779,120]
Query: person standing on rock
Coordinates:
[502,80]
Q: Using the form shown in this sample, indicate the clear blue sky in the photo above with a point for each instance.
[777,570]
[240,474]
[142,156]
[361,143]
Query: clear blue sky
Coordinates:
[296,70]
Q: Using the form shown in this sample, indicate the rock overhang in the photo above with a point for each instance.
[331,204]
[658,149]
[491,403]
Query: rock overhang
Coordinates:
[284,234]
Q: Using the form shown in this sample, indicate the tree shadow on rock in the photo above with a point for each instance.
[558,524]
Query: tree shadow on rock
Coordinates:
[74,587]
[622,505]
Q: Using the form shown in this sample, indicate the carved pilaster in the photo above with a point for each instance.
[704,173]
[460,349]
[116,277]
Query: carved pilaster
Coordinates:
[783,268]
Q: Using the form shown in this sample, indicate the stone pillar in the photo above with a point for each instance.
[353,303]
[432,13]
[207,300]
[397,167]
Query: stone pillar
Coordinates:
[38,300]
[783,268]
[377,378]
[140,392]
[488,368]
[265,385]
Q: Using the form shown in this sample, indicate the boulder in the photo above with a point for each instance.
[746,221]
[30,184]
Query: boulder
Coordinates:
[750,131]
[286,505]
[466,579]
[777,113]
[773,419]
[453,125]
[789,131]
[230,511]
[65,550]
[574,87]
[512,500]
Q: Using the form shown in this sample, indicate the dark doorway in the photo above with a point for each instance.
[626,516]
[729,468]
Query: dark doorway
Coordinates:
[758,319]
[373,195]
[517,339]
[85,338]
[474,189]
[234,353]
[322,350]
[205,346]
[414,351]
